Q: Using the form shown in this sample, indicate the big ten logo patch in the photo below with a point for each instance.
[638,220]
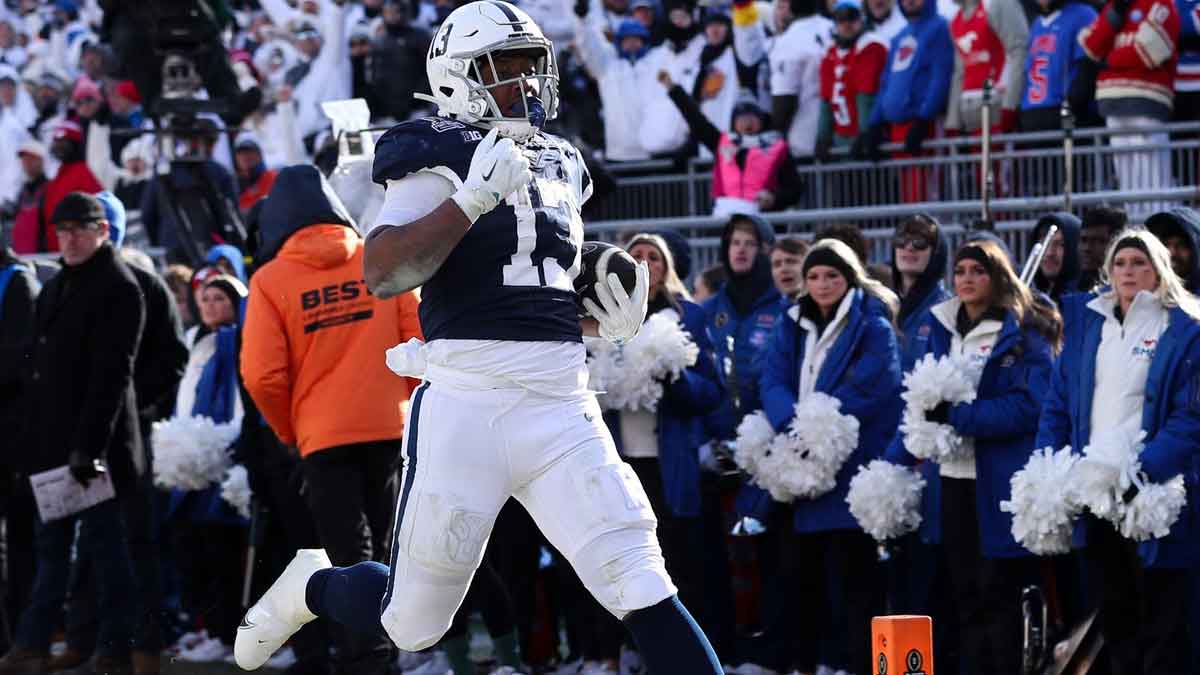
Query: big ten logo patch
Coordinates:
[335,304]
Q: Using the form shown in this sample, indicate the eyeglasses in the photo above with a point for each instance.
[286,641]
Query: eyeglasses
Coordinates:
[75,226]
[918,243]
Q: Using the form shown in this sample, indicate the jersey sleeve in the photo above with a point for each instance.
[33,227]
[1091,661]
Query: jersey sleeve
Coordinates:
[436,145]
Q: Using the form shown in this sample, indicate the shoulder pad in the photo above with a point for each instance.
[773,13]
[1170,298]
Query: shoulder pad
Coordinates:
[424,143]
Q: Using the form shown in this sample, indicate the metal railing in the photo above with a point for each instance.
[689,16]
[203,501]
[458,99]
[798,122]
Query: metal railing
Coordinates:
[1026,164]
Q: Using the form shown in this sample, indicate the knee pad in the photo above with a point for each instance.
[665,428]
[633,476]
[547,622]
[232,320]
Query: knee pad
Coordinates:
[624,570]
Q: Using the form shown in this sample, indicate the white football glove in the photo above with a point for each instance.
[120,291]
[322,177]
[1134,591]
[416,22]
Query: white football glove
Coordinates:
[622,315]
[497,170]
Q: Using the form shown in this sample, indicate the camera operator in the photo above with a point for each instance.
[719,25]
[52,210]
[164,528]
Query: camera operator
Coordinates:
[198,188]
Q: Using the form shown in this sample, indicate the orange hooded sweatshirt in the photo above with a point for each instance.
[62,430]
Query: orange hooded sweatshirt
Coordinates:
[314,341]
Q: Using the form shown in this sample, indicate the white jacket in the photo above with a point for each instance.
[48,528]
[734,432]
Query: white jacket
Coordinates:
[664,129]
[816,348]
[625,89]
[1123,362]
[796,71]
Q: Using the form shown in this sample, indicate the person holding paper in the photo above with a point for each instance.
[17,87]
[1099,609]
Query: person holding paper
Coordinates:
[82,413]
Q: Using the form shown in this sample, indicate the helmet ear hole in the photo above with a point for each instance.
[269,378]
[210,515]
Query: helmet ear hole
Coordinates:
[446,91]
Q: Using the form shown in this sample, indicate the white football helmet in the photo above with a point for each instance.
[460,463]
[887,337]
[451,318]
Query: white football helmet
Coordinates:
[474,34]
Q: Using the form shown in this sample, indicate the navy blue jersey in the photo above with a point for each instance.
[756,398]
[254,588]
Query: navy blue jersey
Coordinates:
[510,278]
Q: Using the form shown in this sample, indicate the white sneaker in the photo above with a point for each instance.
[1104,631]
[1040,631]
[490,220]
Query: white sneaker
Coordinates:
[280,612]
[284,658]
[208,651]
[438,665]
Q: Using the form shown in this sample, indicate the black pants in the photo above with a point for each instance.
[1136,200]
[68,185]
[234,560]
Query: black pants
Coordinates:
[138,512]
[351,491]
[20,566]
[987,591]
[516,557]
[1143,612]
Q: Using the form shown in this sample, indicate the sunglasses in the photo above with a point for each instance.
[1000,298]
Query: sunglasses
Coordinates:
[918,243]
[75,226]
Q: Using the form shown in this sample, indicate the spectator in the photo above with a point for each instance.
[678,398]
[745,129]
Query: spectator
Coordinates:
[82,412]
[754,36]
[179,280]
[16,104]
[127,178]
[643,11]
[1054,59]
[913,93]
[626,79]
[1099,226]
[203,190]
[666,129]
[796,76]
[1137,43]
[1179,230]
[1187,71]
[850,74]
[324,72]
[274,127]
[254,178]
[360,50]
[752,171]
[554,18]
[87,104]
[73,176]
[920,252]
[397,63]
[125,103]
[850,235]
[1059,273]
[48,98]
[995,53]
[309,321]
[27,203]
[1010,342]
[716,86]
[11,52]
[884,20]
[839,340]
[787,259]
[709,282]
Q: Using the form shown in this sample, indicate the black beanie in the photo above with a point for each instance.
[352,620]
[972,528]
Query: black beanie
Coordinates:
[975,253]
[829,258]
[1131,242]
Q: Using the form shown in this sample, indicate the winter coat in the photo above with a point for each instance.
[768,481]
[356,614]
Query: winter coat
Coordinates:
[916,80]
[1068,277]
[1139,52]
[71,177]
[314,337]
[1184,221]
[796,71]
[929,290]
[18,297]
[990,38]
[80,374]
[862,371]
[1170,415]
[1002,421]
[680,420]
[163,354]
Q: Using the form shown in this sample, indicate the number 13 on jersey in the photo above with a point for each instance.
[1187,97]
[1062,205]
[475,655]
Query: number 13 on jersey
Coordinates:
[549,234]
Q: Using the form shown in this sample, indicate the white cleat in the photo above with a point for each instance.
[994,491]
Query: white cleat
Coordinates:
[280,612]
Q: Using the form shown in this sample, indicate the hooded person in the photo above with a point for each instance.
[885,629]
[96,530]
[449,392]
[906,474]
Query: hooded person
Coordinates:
[73,176]
[229,259]
[1059,272]
[751,165]
[742,314]
[850,73]
[1179,230]
[920,252]
[309,320]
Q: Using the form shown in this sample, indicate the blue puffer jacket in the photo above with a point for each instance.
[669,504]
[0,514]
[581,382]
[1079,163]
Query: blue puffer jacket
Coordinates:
[750,335]
[1002,421]
[680,420]
[862,370]
[1170,417]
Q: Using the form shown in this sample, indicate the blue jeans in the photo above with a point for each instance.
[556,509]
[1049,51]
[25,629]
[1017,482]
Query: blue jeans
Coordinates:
[101,539]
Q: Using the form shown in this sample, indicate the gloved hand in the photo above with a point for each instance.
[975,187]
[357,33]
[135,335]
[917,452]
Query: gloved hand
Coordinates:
[82,467]
[866,145]
[621,317]
[582,7]
[917,134]
[940,414]
[498,168]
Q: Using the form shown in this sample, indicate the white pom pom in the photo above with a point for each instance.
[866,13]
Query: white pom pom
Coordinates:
[630,377]
[928,384]
[190,452]
[1041,504]
[754,437]
[1154,510]
[1105,473]
[804,462]
[885,499]
[235,489]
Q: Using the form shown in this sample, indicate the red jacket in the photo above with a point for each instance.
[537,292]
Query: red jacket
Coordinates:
[71,177]
[1138,53]
[848,73]
[257,190]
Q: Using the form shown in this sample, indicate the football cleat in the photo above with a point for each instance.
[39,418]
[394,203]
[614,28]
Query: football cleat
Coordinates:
[280,612]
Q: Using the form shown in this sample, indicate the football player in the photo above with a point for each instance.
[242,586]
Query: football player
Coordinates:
[482,212]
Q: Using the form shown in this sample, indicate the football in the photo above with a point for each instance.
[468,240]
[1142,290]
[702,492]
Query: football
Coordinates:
[596,261]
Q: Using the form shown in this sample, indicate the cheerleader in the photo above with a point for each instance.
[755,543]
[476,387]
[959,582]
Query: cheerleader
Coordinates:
[1129,365]
[1005,340]
[838,340]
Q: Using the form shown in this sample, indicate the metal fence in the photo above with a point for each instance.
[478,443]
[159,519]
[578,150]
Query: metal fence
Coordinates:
[1026,165]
